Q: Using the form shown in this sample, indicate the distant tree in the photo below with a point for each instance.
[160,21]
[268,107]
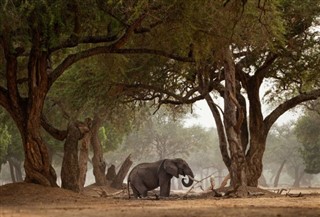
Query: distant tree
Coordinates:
[11,151]
[307,131]
[5,140]
[161,135]
[164,136]
[283,154]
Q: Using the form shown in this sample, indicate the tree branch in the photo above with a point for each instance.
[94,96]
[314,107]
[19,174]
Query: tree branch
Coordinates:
[220,128]
[4,96]
[56,133]
[73,42]
[262,70]
[154,52]
[187,98]
[121,42]
[12,87]
[73,58]
[282,108]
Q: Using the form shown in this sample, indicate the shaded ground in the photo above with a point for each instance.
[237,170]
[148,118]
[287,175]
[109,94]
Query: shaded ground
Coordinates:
[23,199]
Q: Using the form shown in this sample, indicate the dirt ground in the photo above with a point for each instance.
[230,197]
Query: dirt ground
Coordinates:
[21,199]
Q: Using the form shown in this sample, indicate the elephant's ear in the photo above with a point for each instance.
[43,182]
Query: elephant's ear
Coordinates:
[171,168]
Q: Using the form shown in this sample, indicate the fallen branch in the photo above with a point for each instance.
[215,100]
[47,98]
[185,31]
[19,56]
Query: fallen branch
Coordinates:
[255,193]
[199,181]
[281,190]
[295,195]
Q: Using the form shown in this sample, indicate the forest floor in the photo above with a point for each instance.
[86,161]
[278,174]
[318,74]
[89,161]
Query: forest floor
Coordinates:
[30,200]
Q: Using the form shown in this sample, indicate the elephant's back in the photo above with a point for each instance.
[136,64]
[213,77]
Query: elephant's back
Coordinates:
[144,169]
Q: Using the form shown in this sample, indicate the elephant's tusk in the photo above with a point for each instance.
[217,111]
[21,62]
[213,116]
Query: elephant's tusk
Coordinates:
[193,179]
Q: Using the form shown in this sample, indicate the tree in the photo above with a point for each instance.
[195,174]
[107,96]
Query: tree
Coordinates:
[10,149]
[41,40]
[307,129]
[257,66]
[164,136]
[282,153]
[5,140]
[280,50]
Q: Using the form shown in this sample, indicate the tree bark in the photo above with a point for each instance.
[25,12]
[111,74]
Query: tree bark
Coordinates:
[257,131]
[37,164]
[99,166]
[238,167]
[124,169]
[83,158]
[70,171]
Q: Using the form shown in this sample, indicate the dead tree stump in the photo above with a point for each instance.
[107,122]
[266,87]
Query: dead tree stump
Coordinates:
[111,173]
[124,169]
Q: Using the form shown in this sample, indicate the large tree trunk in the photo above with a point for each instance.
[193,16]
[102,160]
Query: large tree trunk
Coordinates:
[257,131]
[27,114]
[37,161]
[233,123]
[99,166]
[37,166]
[70,171]
[83,158]
[254,160]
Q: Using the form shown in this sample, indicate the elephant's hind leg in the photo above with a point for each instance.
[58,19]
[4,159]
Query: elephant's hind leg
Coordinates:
[139,191]
[143,191]
[136,193]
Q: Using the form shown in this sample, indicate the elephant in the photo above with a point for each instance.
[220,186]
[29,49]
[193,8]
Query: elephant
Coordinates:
[148,176]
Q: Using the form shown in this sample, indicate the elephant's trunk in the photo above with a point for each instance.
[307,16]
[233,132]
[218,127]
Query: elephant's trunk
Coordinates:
[188,184]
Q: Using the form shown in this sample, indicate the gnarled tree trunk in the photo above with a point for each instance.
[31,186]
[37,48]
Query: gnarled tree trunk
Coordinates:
[37,161]
[37,167]
[254,160]
[233,123]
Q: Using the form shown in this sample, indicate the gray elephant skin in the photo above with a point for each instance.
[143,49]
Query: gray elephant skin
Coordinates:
[148,176]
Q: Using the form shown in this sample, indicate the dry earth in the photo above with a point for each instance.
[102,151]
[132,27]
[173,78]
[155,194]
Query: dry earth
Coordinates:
[21,199]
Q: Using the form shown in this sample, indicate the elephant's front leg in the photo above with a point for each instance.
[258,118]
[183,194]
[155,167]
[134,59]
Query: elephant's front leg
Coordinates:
[165,188]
